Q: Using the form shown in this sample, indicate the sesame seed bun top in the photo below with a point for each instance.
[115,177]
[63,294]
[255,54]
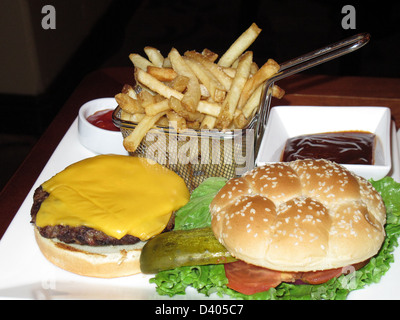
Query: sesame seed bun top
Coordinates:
[304,215]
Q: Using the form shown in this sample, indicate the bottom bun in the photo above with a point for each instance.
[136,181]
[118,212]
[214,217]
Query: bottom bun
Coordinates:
[100,262]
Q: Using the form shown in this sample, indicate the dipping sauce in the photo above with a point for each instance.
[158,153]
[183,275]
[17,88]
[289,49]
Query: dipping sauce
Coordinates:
[352,147]
[103,119]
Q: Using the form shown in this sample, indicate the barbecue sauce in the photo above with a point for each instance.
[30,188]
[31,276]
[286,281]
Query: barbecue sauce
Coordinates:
[348,147]
[103,119]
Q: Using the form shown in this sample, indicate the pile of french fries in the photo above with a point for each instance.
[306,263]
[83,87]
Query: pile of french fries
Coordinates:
[195,91]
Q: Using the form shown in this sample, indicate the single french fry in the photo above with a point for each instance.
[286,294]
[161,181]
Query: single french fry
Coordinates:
[162,74]
[156,85]
[217,71]
[219,95]
[136,118]
[179,83]
[277,92]
[235,63]
[209,108]
[192,95]
[204,92]
[128,104]
[265,72]
[155,56]
[254,68]
[208,122]
[139,61]
[252,103]
[210,55]
[155,108]
[132,141]
[239,46]
[232,98]
[230,72]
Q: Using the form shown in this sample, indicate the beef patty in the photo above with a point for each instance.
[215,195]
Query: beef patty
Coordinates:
[80,235]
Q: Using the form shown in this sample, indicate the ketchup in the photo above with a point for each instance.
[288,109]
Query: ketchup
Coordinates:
[350,147]
[103,119]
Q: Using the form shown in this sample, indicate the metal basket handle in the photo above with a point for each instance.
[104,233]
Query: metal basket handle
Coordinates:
[302,63]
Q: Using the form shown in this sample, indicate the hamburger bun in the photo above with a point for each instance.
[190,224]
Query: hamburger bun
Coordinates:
[92,261]
[299,216]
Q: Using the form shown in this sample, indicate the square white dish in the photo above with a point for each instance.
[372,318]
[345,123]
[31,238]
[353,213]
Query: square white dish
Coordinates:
[289,121]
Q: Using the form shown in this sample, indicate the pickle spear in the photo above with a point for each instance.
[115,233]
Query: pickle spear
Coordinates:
[180,248]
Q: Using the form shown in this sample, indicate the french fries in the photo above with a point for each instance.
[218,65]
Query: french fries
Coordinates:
[239,46]
[154,56]
[139,61]
[155,85]
[217,71]
[128,104]
[230,103]
[265,72]
[195,90]
[192,95]
[213,86]
[178,107]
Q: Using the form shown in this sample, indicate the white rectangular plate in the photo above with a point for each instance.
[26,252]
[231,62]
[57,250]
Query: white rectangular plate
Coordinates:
[26,274]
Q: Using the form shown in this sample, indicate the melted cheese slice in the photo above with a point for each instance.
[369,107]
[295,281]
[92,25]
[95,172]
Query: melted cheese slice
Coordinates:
[118,195]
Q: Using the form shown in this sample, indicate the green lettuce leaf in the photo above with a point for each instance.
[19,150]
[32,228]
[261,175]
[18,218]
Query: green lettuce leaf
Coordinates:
[195,214]
[389,190]
[211,279]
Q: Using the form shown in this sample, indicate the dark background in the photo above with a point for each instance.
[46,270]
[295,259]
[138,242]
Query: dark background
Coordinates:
[290,28]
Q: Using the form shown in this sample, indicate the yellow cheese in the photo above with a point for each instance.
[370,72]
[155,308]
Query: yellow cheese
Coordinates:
[118,195]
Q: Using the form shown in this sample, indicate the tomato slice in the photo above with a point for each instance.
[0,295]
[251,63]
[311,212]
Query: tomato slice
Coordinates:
[249,279]
[318,277]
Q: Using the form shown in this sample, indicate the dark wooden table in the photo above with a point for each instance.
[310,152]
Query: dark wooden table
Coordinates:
[300,90]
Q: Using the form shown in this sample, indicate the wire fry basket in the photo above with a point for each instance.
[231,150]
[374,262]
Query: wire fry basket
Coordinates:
[196,155]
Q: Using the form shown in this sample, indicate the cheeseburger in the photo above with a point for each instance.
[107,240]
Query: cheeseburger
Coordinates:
[94,217]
